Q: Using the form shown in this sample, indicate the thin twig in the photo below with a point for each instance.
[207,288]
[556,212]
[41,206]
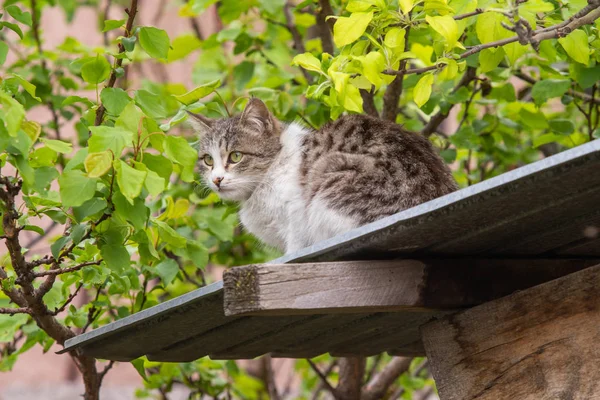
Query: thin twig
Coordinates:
[131,12]
[68,301]
[325,26]
[65,270]
[323,378]
[13,311]
[298,42]
[393,92]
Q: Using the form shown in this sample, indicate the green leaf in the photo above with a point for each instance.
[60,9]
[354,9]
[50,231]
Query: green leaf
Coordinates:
[109,138]
[33,130]
[154,41]
[178,150]
[445,26]
[95,71]
[90,207]
[549,88]
[533,119]
[182,46]
[3,52]
[167,270]
[488,59]
[395,40]
[58,145]
[150,103]
[114,100]
[76,99]
[111,24]
[359,5]
[546,138]
[154,183]
[198,254]
[129,43]
[29,88]
[422,90]
[75,188]
[562,126]
[576,45]
[116,257]
[130,180]
[198,93]
[13,27]
[373,64]
[308,62]
[489,28]
[12,114]
[97,164]
[139,367]
[406,6]
[169,235]
[136,213]
[23,17]
[349,29]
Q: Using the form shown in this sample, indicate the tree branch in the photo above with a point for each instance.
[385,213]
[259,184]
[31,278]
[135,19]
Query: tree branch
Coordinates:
[54,272]
[352,370]
[580,95]
[325,26]
[68,300]
[298,43]
[369,102]
[323,378]
[587,16]
[380,383]
[131,12]
[13,311]
[470,14]
[393,92]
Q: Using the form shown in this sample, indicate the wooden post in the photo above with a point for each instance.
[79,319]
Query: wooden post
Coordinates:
[540,343]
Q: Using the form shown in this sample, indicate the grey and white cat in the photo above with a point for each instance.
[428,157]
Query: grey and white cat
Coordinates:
[297,186]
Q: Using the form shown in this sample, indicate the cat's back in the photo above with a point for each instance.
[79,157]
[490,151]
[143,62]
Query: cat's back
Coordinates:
[371,168]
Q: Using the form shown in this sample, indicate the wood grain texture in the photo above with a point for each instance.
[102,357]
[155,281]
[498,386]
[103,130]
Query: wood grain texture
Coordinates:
[382,286]
[539,343]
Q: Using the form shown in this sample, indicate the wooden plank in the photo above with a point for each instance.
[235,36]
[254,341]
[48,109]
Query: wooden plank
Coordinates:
[156,327]
[531,220]
[400,336]
[378,286]
[278,341]
[535,344]
[321,342]
[220,338]
[399,331]
[549,240]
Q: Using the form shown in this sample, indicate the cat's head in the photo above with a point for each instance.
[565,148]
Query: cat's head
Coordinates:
[235,153]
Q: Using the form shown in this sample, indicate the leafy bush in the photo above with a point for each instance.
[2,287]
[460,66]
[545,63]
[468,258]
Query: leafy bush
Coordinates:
[493,83]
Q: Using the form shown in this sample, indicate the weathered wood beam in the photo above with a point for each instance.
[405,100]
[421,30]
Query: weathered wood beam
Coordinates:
[540,343]
[379,286]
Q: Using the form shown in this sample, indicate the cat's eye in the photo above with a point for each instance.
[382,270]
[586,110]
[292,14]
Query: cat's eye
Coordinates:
[235,157]
[208,160]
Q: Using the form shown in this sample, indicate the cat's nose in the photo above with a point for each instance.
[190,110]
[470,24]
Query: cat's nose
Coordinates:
[217,180]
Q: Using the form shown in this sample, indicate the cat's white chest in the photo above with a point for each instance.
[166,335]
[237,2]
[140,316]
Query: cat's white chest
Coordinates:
[280,214]
[268,211]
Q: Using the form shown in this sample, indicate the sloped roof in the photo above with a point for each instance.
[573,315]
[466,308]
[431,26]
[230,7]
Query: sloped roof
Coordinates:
[547,209]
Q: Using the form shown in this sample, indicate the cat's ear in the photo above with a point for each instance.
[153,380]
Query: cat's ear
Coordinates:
[257,115]
[199,122]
